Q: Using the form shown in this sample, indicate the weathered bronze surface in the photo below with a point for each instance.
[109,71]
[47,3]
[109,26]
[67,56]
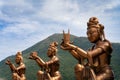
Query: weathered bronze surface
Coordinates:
[50,69]
[93,64]
[18,73]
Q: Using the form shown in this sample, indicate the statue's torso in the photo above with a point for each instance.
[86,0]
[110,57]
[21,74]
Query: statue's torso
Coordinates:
[103,59]
[53,65]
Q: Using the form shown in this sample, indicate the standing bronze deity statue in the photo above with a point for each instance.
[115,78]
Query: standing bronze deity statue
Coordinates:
[18,73]
[94,64]
[50,69]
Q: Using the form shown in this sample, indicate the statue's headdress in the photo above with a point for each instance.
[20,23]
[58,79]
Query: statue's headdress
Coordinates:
[19,54]
[94,23]
[53,47]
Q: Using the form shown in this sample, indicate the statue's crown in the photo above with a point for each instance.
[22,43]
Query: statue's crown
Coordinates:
[94,23]
[19,54]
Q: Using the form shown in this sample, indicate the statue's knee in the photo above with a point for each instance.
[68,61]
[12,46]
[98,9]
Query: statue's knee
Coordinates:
[40,73]
[79,68]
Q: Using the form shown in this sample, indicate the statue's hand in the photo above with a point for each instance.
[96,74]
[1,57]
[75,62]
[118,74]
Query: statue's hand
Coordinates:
[33,55]
[30,57]
[67,46]
[63,44]
[8,62]
[64,47]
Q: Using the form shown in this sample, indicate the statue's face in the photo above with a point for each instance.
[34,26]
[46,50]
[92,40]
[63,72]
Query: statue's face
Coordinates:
[18,59]
[50,52]
[93,35]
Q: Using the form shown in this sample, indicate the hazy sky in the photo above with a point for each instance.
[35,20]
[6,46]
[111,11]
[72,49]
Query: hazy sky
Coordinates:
[26,22]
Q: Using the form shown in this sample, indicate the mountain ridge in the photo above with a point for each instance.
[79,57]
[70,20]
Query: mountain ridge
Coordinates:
[66,60]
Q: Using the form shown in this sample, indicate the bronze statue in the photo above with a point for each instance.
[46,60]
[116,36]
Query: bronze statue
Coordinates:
[18,73]
[94,64]
[50,69]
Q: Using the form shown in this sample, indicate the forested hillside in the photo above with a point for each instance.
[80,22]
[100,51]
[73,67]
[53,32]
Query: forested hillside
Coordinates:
[67,62]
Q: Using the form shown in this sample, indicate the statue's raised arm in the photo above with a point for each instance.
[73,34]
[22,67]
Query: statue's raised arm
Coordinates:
[74,50]
[34,56]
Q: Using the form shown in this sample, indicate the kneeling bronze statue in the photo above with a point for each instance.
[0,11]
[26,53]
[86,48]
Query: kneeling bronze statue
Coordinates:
[50,69]
[93,64]
[18,73]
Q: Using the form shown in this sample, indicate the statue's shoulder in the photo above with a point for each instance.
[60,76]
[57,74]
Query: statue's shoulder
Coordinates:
[105,43]
[106,46]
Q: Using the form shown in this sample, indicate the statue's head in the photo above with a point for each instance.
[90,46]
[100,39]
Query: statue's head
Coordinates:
[52,50]
[19,58]
[95,31]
